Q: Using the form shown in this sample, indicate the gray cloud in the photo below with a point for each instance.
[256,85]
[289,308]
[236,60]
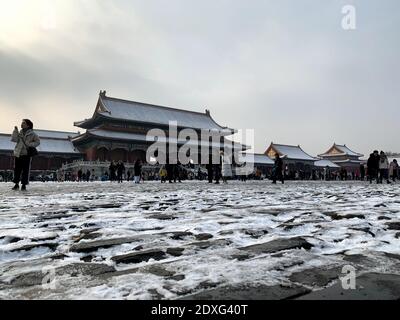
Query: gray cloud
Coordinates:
[284,68]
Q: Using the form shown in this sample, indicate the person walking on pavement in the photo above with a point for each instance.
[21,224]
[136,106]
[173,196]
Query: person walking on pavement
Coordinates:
[137,170]
[112,169]
[177,172]
[120,171]
[217,169]
[373,166]
[383,168]
[226,168]
[26,142]
[210,169]
[170,173]
[393,170]
[163,174]
[80,175]
[278,167]
[88,174]
[362,172]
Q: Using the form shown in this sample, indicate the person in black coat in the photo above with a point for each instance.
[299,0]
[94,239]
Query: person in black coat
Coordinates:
[177,173]
[120,171]
[137,168]
[112,169]
[373,166]
[170,173]
[362,172]
[80,175]
[278,168]
[210,169]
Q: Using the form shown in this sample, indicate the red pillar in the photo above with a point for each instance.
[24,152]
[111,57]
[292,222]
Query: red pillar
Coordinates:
[91,154]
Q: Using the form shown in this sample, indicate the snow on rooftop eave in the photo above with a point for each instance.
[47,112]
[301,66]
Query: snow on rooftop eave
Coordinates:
[108,113]
[348,151]
[276,146]
[323,163]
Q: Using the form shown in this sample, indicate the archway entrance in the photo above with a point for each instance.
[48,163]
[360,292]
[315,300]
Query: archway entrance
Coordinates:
[137,154]
[103,154]
[119,155]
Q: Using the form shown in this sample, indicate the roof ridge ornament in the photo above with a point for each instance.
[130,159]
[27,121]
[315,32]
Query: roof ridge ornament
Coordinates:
[103,93]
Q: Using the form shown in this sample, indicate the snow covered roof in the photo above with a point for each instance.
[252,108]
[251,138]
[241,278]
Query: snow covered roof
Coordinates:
[56,134]
[348,161]
[340,150]
[289,152]
[47,145]
[119,109]
[325,163]
[257,158]
[117,135]
[5,142]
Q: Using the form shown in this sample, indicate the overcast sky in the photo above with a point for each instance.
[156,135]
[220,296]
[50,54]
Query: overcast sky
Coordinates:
[286,69]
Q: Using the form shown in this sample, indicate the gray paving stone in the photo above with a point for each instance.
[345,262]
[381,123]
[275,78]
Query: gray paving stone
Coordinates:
[370,286]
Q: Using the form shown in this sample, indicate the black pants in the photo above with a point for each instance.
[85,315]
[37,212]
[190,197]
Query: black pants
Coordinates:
[278,176]
[383,175]
[210,175]
[217,173]
[373,175]
[21,169]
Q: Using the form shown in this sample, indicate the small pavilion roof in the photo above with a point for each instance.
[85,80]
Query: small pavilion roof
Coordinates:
[290,152]
[340,150]
[257,158]
[325,163]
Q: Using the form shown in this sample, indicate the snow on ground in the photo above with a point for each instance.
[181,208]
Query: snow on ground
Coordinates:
[165,241]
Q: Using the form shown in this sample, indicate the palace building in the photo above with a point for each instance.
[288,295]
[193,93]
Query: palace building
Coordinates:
[118,129]
[343,157]
[260,162]
[294,157]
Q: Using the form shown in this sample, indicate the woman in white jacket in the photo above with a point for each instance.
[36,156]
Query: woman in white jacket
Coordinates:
[383,168]
[24,139]
[226,169]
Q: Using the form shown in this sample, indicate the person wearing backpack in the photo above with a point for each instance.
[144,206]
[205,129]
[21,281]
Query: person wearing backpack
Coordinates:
[26,142]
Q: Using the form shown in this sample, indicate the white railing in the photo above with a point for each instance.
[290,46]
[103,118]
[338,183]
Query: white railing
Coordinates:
[97,164]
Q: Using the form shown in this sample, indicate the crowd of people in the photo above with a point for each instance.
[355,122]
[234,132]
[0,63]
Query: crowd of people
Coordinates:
[380,169]
[377,169]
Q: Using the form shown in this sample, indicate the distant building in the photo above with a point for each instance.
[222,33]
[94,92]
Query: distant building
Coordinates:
[294,157]
[260,162]
[344,157]
[321,164]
